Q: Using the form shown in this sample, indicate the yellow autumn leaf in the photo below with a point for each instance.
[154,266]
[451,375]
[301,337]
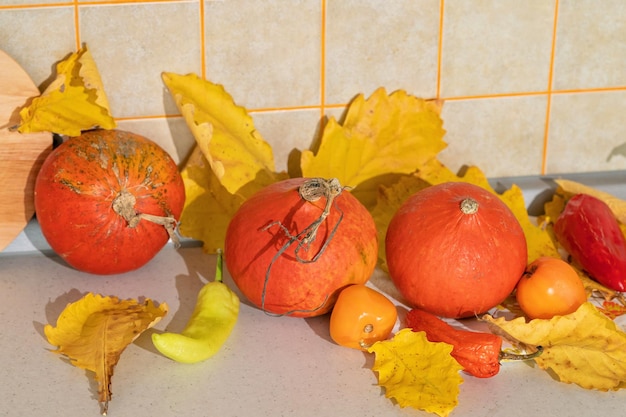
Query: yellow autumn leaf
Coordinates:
[418,373]
[237,153]
[585,348]
[381,135]
[73,102]
[208,205]
[94,331]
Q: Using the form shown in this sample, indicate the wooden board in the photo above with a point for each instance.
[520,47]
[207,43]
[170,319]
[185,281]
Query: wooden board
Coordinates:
[21,155]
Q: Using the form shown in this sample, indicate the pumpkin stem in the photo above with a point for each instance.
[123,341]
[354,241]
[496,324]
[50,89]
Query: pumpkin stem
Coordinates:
[124,205]
[469,206]
[312,190]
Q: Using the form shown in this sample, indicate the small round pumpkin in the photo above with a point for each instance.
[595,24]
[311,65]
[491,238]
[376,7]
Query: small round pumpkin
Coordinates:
[108,200]
[277,269]
[455,250]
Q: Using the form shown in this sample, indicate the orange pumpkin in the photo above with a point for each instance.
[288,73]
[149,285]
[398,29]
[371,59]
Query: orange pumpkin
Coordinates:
[273,265]
[455,250]
[107,201]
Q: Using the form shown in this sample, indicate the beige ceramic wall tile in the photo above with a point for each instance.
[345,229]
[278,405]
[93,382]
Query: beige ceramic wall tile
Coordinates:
[590,44]
[38,38]
[288,132]
[133,43]
[502,136]
[381,43]
[172,134]
[584,130]
[496,46]
[266,54]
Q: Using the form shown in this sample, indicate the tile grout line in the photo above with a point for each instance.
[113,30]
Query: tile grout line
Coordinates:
[439,49]
[202,41]
[322,64]
[463,98]
[77,25]
[546,133]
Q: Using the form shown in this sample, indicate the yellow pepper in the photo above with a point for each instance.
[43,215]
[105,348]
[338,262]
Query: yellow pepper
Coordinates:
[210,325]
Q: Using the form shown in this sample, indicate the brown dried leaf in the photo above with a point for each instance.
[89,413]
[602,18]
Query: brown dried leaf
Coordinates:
[94,331]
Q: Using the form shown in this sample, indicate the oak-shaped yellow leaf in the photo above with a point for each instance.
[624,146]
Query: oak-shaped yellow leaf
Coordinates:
[225,132]
[94,331]
[539,242]
[418,373]
[73,102]
[585,348]
[208,205]
[381,135]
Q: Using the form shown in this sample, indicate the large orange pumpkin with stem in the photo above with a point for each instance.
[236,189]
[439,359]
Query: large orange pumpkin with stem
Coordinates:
[294,245]
[107,201]
[455,250]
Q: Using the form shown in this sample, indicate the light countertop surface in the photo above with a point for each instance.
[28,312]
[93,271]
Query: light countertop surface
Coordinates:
[270,366]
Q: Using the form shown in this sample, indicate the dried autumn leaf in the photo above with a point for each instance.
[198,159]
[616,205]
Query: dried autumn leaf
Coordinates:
[585,348]
[208,205]
[94,331]
[225,132]
[418,373]
[381,135]
[73,102]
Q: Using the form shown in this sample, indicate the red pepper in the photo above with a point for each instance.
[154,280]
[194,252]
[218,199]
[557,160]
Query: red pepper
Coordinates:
[590,233]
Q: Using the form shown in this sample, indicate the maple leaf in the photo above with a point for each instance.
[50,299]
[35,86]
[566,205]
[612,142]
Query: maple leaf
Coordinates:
[418,373]
[585,347]
[208,205]
[225,132]
[381,135]
[73,102]
[94,331]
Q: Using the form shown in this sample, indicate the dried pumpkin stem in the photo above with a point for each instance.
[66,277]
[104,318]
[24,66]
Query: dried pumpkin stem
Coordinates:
[124,205]
[311,190]
[469,206]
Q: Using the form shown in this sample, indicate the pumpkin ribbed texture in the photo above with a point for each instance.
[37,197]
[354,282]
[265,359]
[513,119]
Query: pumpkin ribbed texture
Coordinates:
[99,198]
